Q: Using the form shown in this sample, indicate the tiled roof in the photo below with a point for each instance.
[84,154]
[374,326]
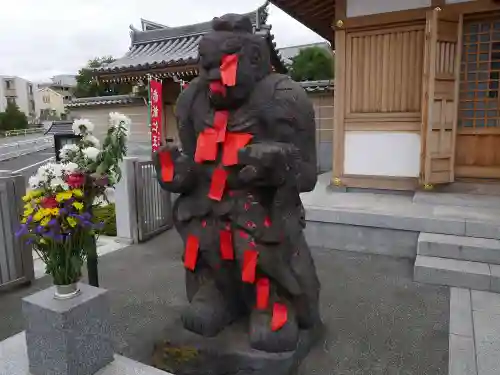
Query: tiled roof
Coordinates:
[288,53]
[313,87]
[103,100]
[178,46]
[60,127]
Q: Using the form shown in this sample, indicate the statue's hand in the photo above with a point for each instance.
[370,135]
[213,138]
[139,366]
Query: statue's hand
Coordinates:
[182,168]
[264,163]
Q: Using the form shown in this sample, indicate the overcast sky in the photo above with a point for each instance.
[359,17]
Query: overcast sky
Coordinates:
[41,38]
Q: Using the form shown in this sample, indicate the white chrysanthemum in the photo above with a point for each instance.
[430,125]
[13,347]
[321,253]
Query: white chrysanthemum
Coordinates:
[91,152]
[119,119]
[69,167]
[34,182]
[82,126]
[92,140]
[57,170]
[58,183]
[45,172]
[67,150]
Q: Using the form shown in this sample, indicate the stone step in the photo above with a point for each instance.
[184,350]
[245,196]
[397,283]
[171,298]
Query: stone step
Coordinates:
[459,247]
[457,199]
[457,273]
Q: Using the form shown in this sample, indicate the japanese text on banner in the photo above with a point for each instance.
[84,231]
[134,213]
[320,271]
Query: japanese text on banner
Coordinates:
[156,108]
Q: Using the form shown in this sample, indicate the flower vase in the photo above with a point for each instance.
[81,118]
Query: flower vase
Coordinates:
[67,291]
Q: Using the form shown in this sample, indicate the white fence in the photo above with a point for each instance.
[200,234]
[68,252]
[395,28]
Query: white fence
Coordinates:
[16,259]
[17,132]
[143,209]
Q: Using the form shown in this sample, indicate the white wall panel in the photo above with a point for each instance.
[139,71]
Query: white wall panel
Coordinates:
[382,154]
[357,8]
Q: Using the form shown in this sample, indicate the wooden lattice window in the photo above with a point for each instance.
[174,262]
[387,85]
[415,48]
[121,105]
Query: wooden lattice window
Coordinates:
[480,75]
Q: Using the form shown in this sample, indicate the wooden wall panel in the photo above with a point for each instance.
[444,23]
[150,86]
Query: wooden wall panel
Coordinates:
[384,70]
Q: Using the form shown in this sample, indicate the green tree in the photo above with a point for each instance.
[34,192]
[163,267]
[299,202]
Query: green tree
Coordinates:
[86,85]
[312,64]
[13,118]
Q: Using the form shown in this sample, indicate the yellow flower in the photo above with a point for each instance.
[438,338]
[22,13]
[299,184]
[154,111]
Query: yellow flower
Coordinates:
[78,193]
[24,220]
[71,222]
[64,196]
[27,197]
[45,221]
[78,205]
[28,211]
[54,211]
[43,241]
[38,215]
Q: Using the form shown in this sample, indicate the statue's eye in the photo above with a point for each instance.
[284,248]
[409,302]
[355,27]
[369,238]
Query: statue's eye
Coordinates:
[231,45]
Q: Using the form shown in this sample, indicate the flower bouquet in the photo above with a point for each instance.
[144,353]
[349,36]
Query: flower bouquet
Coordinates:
[58,218]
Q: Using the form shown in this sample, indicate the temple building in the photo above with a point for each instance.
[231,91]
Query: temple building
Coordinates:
[417,99]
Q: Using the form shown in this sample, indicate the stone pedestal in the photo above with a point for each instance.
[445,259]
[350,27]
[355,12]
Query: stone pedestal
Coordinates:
[185,353]
[68,337]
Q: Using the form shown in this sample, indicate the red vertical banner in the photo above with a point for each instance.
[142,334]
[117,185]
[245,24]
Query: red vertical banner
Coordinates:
[156,113]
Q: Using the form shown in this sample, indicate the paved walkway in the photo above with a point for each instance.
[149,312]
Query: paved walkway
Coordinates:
[379,322]
[474,332]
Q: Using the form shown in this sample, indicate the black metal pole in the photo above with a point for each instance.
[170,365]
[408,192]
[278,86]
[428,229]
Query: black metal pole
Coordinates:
[92,271]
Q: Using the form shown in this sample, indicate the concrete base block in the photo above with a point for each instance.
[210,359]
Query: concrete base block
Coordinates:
[186,353]
[495,278]
[14,361]
[68,337]
[362,239]
[462,359]
[452,272]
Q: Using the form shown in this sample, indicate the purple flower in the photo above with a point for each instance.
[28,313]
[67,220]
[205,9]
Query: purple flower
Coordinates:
[39,229]
[29,219]
[52,223]
[23,229]
[30,241]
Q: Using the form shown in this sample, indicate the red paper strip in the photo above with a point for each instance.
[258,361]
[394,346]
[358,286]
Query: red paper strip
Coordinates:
[167,167]
[249,266]
[267,222]
[280,316]
[234,142]
[243,234]
[263,291]
[228,70]
[226,245]
[191,252]
[220,124]
[156,113]
[217,87]
[206,146]
[219,178]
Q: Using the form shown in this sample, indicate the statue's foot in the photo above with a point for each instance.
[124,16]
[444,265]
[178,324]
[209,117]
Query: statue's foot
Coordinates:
[263,338]
[209,312]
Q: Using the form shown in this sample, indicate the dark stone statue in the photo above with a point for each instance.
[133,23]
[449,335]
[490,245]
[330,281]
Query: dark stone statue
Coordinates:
[248,151]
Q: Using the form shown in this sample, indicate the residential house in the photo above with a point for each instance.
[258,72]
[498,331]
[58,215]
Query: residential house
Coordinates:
[417,89]
[49,104]
[18,91]
[64,84]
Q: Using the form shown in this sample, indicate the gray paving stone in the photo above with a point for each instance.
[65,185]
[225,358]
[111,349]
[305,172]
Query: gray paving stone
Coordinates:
[462,360]
[452,272]
[459,247]
[495,278]
[362,239]
[482,229]
[486,326]
[400,220]
[460,312]
[488,357]
[485,301]
[457,199]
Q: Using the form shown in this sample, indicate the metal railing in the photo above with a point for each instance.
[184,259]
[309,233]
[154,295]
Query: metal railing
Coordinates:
[18,132]
[154,212]
[16,259]
[16,149]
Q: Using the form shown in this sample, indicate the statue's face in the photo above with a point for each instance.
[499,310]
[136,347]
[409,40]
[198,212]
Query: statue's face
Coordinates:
[253,64]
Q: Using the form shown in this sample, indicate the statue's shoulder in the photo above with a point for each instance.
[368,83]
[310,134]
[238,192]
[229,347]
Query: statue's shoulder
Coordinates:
[283,86]
[187,97]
